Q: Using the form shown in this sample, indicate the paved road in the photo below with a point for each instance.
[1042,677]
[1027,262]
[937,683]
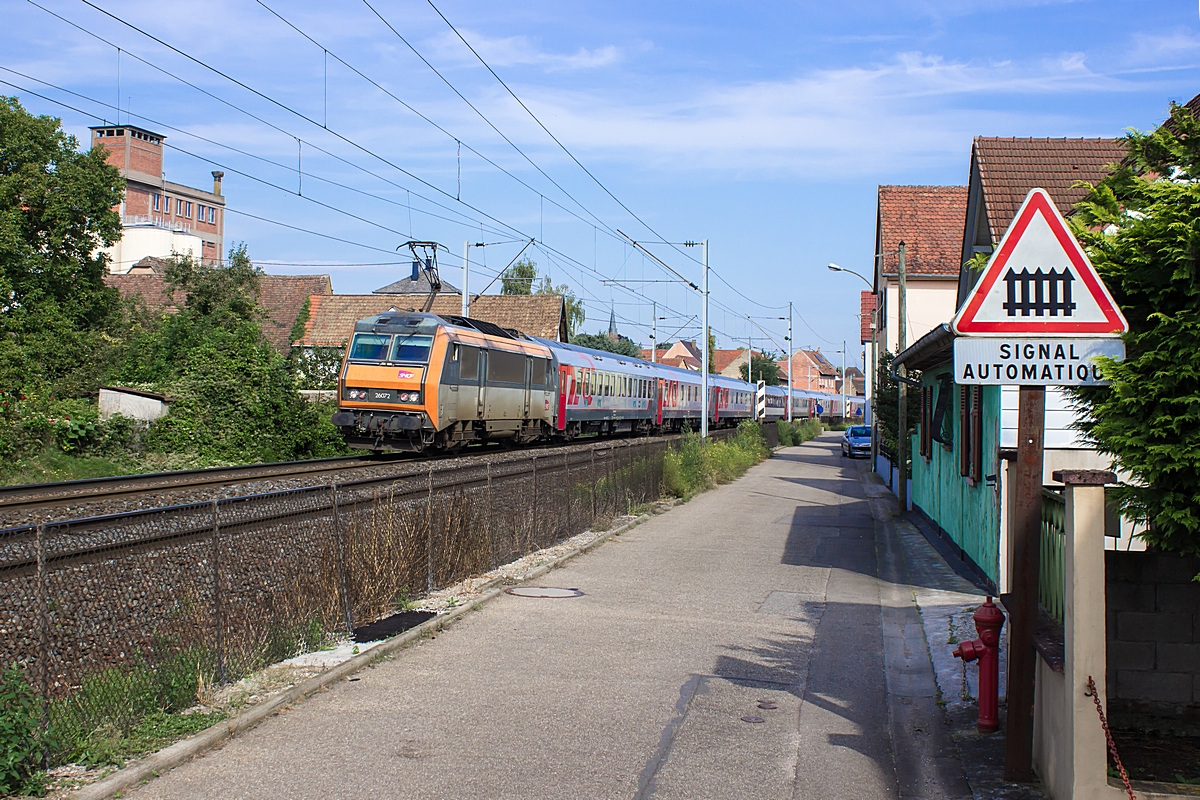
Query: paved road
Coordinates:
[765,589]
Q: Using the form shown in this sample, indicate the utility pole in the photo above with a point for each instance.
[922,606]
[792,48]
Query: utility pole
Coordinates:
[790,386]
[466,291]
[902,400]
[844,414]
[704,332]
[653,332]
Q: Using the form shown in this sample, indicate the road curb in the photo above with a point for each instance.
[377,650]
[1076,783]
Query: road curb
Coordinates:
[161,762]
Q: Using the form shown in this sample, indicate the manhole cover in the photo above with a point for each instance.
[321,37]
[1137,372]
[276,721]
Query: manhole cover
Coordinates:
[753,719]
[543,591]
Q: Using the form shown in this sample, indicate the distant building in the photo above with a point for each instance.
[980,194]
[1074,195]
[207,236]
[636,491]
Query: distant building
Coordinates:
[283,297]
[159,217]
[811,370]
[684,354]
[331,318]
[612,325]
[419,286]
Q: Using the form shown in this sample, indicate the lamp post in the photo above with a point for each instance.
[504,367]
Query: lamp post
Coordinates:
[874,315]
[704,333]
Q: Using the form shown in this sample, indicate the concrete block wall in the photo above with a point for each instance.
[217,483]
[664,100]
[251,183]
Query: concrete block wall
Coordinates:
[1153,634]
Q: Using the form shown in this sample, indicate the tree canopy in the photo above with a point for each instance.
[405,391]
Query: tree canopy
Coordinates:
[56,211]
[764,368]
[522,278]
[622,345]
[1141,228]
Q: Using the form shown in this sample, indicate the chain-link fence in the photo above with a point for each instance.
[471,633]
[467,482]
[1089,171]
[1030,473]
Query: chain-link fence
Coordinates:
[121,616]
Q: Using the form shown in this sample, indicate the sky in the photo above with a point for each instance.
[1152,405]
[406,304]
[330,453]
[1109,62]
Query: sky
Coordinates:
[345,128]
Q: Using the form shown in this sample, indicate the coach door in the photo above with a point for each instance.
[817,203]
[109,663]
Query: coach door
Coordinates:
[565,390]
[481,398]
[528,384]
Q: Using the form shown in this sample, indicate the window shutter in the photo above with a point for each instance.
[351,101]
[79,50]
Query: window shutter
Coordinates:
[977,433]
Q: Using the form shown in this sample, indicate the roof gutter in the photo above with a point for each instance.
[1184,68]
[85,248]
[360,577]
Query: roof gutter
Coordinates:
[930,350]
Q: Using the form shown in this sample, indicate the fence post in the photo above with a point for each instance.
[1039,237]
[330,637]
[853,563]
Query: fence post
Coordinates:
[490,507]
[429,582]
[533,517]
[567,479]
[217,611]
[592,483]
[43,641]
[343,582]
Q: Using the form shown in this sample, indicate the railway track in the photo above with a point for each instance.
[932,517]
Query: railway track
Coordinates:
[48,495]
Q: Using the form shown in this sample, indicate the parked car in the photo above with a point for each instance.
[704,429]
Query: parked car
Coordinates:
[856,441]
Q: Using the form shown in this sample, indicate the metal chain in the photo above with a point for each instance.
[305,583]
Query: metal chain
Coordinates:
[1112,747]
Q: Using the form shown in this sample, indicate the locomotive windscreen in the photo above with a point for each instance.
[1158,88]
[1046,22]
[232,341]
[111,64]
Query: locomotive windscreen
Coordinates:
[412,348]
[369,347]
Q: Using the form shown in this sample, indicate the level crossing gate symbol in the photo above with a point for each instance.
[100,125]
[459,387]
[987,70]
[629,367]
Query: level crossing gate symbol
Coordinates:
[1039,282]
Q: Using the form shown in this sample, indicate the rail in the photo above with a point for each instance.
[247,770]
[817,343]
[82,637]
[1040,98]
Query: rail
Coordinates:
[60,492]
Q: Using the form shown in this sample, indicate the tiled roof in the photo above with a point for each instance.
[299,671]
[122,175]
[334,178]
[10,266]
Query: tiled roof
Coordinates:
[684,362]
[331,318]
[866,308]
[281,296]
[1009,168]
[819,361]
[929,220]
[724,358]
[419,286]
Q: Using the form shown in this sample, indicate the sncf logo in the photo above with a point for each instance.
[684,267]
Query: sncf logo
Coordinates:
[405,374]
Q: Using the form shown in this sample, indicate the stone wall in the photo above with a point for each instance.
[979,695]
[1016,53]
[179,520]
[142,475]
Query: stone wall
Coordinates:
[1153,632]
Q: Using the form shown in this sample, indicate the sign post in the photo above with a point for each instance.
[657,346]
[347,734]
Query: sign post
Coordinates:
[1038,316]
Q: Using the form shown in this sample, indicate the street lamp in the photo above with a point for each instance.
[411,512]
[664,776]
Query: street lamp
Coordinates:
[835,268]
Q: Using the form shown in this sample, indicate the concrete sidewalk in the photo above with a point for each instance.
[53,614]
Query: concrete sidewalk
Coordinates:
[779,587]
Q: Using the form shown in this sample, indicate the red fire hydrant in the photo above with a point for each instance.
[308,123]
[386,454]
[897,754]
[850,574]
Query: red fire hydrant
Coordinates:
[988,622]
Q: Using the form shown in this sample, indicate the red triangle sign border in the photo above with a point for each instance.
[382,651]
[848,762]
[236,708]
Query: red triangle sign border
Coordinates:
[1038,201]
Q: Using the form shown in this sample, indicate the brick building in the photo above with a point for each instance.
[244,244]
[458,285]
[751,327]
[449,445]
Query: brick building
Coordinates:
[159,217]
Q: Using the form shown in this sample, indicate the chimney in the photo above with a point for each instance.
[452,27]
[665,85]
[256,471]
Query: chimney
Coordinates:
[217,176]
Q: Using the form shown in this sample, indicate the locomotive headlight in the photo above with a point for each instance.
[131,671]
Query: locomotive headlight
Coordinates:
[356,394]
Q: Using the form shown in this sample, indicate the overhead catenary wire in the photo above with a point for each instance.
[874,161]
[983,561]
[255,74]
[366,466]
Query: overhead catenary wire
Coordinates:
[323,125]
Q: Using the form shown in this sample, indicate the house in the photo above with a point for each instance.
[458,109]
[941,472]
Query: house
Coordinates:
[866,329]
[283,297]
[928,220]
[967,435]
[811,371]
[729,362]
[331,318]
[420,286]
[159,217]
[857,382]
[684,354]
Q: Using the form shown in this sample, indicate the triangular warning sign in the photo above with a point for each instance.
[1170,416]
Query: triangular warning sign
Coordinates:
[1039,282]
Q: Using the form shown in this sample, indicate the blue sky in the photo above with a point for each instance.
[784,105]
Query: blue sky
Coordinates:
[765,127]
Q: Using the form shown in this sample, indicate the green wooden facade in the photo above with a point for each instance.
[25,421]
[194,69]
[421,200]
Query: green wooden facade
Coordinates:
[968,511]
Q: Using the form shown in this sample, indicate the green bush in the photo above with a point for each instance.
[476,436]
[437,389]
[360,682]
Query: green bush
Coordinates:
[798,432]
[697,465]
[22,744]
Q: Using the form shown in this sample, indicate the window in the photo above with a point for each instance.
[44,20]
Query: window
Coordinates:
[187,209]
[157,202]
[200,213]
[506,367]
[178,207]
[412,348]
[212,215]
[369,347]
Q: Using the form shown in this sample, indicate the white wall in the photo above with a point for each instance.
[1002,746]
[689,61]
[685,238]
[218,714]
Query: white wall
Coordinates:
[930,303]
[137,242]
[134,406]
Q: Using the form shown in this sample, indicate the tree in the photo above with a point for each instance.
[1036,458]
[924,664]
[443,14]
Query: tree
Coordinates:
[764,368]
[56,211]
[887,405]
[712,345]
[519,278]
[571,304]
[598,341]
[1140,228]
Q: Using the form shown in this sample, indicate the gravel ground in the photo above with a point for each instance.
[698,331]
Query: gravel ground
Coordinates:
[277,678]
[168,496]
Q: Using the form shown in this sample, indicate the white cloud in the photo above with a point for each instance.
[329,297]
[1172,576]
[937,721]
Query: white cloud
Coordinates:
[520,50]
[913,111]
